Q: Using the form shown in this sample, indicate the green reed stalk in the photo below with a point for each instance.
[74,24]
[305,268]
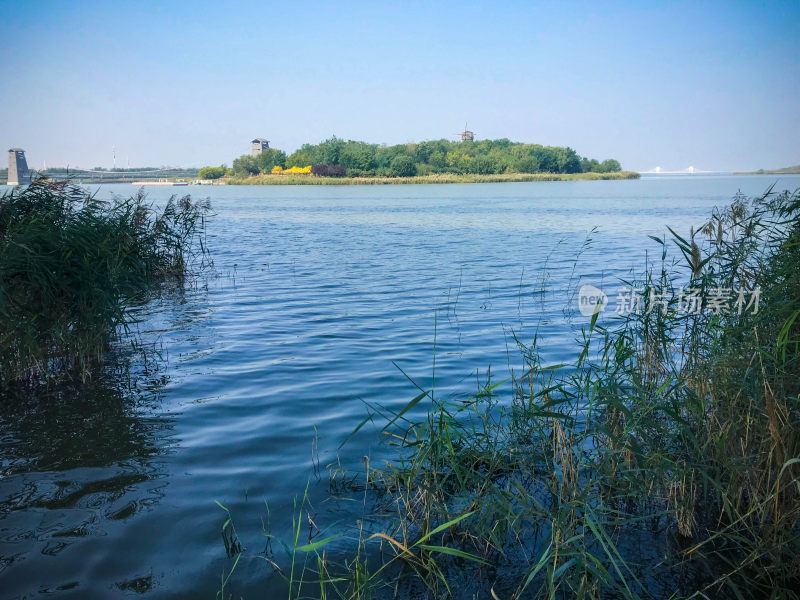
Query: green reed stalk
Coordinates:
[663,463]
[71,266]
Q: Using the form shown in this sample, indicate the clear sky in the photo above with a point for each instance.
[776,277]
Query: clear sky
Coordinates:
[670,84]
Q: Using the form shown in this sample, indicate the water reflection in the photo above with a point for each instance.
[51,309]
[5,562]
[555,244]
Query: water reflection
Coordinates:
[76,458]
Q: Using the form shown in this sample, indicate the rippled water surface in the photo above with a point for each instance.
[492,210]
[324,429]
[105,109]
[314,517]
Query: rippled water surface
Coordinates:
[108,488]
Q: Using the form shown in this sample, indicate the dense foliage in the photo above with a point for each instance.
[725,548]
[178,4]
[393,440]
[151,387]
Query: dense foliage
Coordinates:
[212,172]
[484,157]
[71,266]
[262,163]
[328,170]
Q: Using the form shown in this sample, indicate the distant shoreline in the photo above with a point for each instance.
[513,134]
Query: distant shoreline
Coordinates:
[427,179]
[785,171]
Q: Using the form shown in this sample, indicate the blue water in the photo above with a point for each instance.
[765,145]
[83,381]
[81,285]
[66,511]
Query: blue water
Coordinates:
[268,359]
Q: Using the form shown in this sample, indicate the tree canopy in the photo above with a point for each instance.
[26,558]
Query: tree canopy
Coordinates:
[261,163]
[212,172]
[435,156]
[443,156]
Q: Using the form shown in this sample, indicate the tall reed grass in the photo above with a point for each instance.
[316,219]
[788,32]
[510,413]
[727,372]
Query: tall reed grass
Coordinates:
[664,462]
[72,265]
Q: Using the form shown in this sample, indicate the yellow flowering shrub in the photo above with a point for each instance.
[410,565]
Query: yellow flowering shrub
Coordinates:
[277,169]
[298,170]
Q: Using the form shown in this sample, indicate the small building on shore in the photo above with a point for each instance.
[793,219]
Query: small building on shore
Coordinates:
[18,172]
[258,145]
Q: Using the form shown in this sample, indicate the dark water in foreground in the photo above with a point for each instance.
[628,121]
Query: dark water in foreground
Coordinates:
[108,489]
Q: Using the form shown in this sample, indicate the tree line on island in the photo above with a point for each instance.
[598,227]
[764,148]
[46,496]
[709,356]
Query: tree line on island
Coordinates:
[336,157]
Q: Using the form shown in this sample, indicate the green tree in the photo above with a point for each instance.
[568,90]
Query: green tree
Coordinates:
[246,165]
[300,158]
[437,160]
[434,156]
[423,152]
[568,160]
[609,166]
[482,165]
[269,158]
[548,161]
[403,166]
[357,156]
[590,165]
[212,172]
[526,164]
[328,152]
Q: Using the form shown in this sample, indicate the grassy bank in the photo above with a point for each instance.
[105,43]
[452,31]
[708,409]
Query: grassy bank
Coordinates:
[663,462]
[423,179]
[785,171]
[72,265]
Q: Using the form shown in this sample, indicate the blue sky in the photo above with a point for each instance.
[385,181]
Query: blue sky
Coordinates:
[673,84]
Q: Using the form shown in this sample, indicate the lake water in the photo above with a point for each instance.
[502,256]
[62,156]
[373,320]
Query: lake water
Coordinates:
[317,296]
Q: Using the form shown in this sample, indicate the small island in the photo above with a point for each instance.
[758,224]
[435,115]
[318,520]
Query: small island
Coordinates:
[337,161]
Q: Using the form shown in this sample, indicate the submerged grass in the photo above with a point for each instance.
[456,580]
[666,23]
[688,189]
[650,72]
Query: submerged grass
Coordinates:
[71,266]
[663,463]
[270,179]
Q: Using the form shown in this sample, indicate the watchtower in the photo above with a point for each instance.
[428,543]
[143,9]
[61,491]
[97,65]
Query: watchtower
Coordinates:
[18,172]
[258,145]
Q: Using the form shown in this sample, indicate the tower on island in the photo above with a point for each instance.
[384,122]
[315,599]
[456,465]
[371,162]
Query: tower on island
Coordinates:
[18,172]
[258,145]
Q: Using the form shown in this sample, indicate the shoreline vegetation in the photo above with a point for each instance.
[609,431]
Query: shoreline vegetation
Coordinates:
[662,462]
[72,267]
[310,179]
[795,170]
[343,162]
